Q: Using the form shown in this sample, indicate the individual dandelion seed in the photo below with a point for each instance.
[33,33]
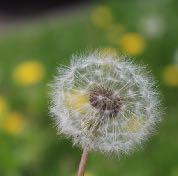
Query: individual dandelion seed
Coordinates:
[104,103]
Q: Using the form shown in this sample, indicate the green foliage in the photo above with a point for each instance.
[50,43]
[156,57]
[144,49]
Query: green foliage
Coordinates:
[36,149]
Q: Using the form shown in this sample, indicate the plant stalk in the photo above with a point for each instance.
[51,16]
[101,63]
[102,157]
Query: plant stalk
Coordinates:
[83,163]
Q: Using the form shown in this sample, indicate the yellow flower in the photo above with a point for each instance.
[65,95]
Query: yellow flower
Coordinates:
[88,174]
[14,123]
[170,75]
[134,125]
[111,52]
[132,43]
[114,31]
[3,107]
[102,16]
[77,100]
[29,73]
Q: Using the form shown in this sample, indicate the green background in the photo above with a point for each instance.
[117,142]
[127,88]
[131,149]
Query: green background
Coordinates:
[38,151]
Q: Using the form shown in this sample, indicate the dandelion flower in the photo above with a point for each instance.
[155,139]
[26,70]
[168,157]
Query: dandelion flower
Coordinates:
[14,123]
[104,103]
[102,16]
[171,75]
[112,52]
[89,174]
[29,73]
[114,31]
[3,106]
[132,43]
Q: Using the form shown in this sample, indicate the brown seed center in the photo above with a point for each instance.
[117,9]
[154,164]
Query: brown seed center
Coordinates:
[105,101]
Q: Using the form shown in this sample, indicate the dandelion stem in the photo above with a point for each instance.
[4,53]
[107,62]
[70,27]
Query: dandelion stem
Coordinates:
[83,163]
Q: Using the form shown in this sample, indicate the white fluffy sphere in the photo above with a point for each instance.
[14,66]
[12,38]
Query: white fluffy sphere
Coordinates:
[105,103]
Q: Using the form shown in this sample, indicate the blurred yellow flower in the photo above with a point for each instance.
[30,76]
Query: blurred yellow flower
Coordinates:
[114,31]
[101,16]
[112,52]
[3,106]
[14,123]
[29,73]
[88,174]
[134,125]
[170,75]
[132,43]
[77,100]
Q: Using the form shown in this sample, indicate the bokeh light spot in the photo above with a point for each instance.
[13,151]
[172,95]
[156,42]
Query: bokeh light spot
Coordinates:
[171,75]
[29,73]
[89,174]
[77,101]
[134,125]
[3,106]
[102,16]
[107,53]
[114,31]
[14,123]
[132,43]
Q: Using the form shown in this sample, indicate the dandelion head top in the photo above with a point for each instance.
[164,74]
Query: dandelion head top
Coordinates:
[105,103]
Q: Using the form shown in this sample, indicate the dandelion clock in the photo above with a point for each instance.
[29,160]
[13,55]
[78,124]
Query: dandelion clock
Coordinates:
[104,103]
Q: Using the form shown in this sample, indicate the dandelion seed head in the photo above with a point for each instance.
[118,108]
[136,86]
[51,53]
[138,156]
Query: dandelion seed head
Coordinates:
[107,105]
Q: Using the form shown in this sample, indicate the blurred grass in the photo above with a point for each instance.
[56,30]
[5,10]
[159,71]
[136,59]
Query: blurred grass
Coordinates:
[37,150]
